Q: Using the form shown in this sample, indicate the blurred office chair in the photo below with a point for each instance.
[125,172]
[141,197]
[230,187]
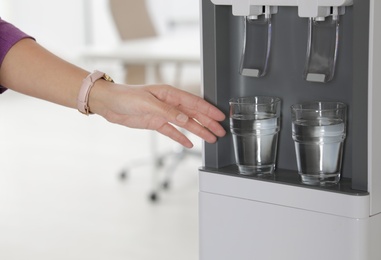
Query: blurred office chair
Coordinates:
[133,21]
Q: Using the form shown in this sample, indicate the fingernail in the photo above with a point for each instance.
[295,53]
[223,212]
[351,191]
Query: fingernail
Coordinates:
[221,133]
[182,118]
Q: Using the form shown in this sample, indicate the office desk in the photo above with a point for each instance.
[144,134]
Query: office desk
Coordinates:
[177,48]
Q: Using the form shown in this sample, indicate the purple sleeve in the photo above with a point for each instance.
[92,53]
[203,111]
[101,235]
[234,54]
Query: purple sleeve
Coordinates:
[9,35]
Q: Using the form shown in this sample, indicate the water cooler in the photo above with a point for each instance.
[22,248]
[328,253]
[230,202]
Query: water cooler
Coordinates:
[275,48]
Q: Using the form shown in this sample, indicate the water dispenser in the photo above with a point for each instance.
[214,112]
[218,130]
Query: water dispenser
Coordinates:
[299,51]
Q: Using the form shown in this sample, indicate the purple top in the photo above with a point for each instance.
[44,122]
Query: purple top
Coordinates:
[9,35]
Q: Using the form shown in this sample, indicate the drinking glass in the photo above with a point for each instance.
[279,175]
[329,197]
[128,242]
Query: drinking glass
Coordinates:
[319,131]
[254,124]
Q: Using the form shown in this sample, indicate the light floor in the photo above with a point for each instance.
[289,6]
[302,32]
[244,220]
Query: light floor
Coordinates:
[61,198]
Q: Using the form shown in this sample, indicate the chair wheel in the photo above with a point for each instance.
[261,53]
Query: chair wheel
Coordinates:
[123,175]
[166,185]
[160,163]
[153,197]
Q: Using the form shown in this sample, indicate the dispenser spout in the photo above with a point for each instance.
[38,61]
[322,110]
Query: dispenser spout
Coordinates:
[320,9]
[306,8]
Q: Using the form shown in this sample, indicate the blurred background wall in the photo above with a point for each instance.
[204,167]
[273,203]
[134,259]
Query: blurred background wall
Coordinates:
[60,195]
[65,27]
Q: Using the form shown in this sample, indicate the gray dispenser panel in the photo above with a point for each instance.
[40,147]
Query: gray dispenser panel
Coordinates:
[222,48]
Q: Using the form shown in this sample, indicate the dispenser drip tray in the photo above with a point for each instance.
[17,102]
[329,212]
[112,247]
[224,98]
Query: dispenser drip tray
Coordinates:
[289,177]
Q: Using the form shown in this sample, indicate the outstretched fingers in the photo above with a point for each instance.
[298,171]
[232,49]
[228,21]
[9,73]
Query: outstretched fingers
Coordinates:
[177,97]
[173,133]
[206,121]
[195,122]
[189,112]
[196,128]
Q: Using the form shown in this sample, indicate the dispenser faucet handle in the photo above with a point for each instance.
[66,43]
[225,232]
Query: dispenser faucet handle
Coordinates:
[322,48]
[256,44]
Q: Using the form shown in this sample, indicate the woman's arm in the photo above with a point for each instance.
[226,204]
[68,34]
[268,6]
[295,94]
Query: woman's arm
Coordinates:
[30,69]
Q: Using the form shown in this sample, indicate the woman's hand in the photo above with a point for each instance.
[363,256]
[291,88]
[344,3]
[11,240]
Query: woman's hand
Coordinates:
[30,69]
[157,107]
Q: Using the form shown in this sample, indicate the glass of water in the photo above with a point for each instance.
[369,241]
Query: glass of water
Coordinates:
[319,131]
[254,124]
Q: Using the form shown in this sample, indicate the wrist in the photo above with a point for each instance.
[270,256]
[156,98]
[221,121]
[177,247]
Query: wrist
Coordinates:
[83,100]
[99,95]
